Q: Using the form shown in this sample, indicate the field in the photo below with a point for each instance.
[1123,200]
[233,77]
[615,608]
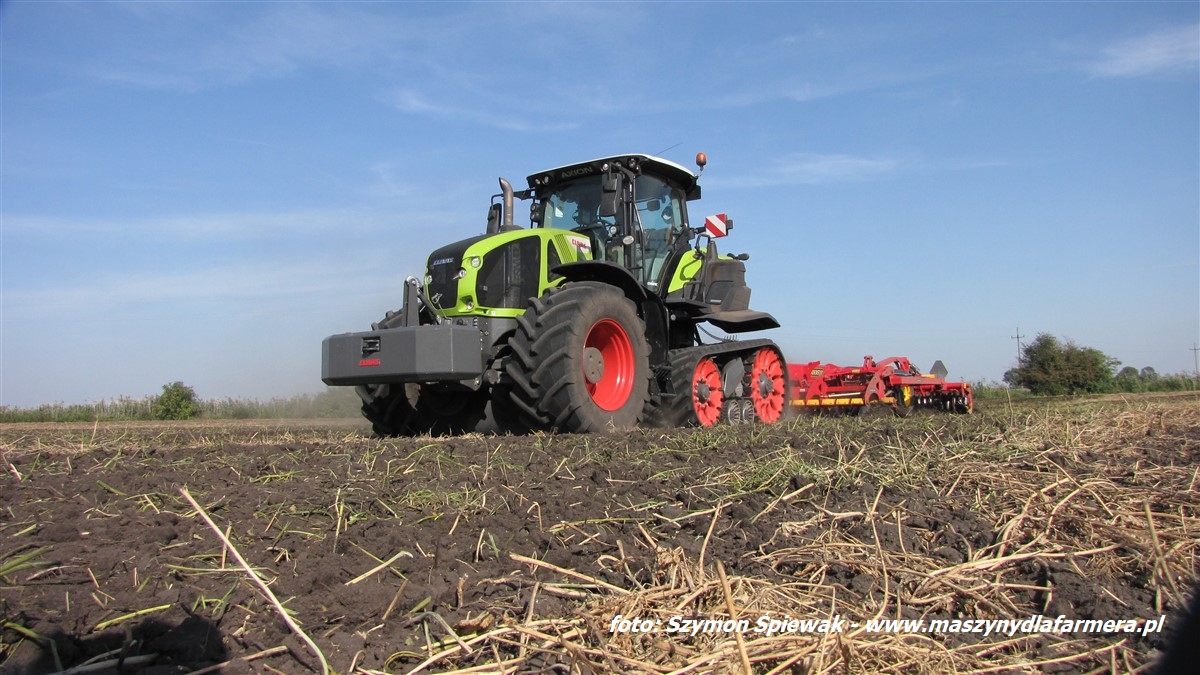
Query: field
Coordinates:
[517,554]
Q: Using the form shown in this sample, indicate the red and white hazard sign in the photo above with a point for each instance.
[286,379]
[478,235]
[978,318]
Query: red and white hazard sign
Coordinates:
[716,225]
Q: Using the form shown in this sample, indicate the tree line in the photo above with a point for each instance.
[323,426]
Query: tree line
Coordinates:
[1053,367]
[178,401]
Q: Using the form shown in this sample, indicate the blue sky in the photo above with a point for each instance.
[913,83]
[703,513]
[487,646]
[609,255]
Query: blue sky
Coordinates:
[203,191]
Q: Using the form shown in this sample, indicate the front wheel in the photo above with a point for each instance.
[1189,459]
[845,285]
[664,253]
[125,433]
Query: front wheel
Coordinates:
[390,408]
[580,360]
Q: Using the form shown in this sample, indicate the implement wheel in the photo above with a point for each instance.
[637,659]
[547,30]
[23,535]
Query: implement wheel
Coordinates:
[768,382]
[874,408]
[580,360]
[965,405]
[904,402]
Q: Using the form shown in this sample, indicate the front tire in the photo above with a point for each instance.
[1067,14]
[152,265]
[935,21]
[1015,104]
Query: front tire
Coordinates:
[580,360]
[390,408]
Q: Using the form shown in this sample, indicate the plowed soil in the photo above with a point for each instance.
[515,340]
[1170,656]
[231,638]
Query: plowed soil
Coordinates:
[518,552]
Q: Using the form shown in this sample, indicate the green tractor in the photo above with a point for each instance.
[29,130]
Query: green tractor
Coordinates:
[587,320]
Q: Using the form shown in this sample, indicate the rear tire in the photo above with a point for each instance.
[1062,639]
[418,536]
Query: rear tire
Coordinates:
[580,360]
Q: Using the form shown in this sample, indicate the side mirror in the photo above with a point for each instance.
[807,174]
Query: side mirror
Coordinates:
[610,194]
[493,218]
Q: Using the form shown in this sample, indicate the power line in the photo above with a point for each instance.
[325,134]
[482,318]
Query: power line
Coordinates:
[1018,337]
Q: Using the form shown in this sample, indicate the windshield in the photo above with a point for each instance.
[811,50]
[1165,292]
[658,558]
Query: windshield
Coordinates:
[658,209]
[575,206]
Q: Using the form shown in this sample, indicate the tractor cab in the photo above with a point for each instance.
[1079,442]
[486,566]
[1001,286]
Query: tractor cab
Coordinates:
[632,208]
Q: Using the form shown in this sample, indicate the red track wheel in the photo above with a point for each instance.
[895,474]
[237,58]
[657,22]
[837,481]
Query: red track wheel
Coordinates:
[707,396]
[767,384]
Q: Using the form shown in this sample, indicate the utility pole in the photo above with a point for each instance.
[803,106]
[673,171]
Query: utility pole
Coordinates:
[1196,359]
[1018,337]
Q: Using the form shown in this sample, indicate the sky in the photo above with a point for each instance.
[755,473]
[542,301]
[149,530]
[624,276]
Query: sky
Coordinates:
[202,191]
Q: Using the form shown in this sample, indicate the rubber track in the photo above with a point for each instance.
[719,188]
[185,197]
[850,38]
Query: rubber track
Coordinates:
[675,410]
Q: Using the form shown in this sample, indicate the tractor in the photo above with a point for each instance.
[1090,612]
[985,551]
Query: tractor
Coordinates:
[587,320]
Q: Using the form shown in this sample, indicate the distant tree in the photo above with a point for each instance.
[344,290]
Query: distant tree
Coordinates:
[1091,370]
[176,402]
[1041,366]
[1048,366]
[1148,375]
[1177,382]
[1128,379]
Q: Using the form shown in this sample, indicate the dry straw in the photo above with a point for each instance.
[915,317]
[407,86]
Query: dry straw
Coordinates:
[258,581]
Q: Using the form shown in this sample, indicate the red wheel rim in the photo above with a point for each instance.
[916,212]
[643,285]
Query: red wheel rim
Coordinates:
[767,385]
[707,395]
[612,389]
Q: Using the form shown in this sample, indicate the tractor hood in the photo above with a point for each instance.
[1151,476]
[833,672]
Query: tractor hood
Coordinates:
[495,274]
[442,271]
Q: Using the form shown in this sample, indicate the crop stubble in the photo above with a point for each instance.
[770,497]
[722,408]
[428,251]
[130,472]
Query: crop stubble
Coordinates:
[514,553]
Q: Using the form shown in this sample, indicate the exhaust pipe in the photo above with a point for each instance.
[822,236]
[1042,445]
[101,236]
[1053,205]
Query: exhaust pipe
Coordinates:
[506,188]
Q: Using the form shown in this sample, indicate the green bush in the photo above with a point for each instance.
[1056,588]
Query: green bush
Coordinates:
[1051,367]
[176,402]
[1048,366]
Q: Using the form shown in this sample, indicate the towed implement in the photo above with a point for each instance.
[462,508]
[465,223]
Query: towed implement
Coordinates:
[893,383]
[588,319]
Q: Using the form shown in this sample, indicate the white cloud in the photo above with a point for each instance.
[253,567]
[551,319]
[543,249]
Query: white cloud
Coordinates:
[1163,51]
[231,226]
[414,103]
[256,283]
[816,169]
[443,80]
[159,50]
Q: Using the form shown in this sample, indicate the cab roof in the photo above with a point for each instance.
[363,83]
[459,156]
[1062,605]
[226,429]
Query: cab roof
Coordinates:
[663,168]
